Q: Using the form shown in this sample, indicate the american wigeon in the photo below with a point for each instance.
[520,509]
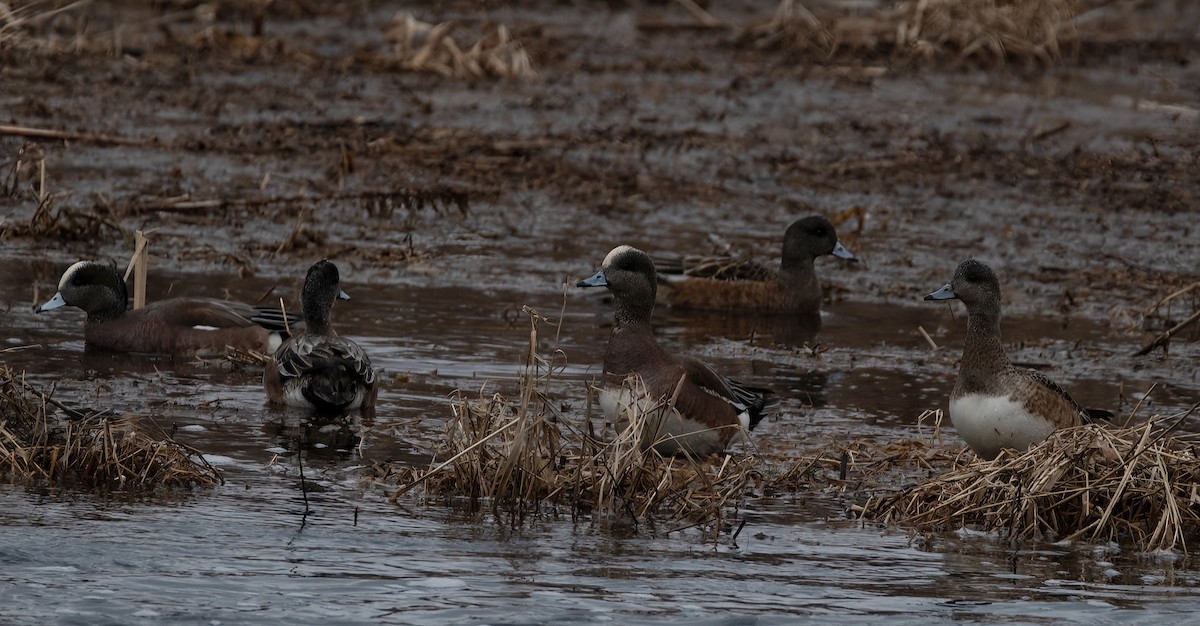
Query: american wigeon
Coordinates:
[709,411]
[705,283]
[318,369]
[175,326]
[994,405]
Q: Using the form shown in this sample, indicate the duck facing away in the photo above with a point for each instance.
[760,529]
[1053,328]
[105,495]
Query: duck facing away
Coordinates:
[317,369]
[995,405]
[729,285]
[175,326]
[708,411]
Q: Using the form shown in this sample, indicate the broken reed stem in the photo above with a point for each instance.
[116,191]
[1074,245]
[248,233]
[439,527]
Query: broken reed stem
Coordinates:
[67,135]
[932,344]
[1163,339]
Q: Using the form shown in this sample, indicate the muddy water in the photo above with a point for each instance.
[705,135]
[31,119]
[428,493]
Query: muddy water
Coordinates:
[248,552]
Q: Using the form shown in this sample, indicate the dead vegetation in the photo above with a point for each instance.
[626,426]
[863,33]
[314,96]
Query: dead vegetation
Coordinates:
[23,25]
[520,455]
[42,439]
[1137,485]
[424,47]
[1165,313]
[989,31]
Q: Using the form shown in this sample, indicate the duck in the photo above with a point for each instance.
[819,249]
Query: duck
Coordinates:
[725,284]
[689,408]
[178,326]
[317,369]
[995,405]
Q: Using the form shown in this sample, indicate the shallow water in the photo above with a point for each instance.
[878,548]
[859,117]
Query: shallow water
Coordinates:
[248,551]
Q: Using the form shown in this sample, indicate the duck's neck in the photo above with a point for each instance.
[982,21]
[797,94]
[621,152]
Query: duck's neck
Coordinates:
[632,313]
[799,280]
[317,317]
[983,353]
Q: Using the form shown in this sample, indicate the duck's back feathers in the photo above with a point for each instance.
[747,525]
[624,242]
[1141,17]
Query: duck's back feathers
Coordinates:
[673,269]
[330,372]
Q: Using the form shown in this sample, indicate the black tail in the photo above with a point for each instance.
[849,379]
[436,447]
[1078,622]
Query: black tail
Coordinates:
[1093,416]
[756,400]
[329,389]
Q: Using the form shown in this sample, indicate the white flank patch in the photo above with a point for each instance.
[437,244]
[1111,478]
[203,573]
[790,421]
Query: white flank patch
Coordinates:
[274,340]
[989,423]
[617,251]
[203,327]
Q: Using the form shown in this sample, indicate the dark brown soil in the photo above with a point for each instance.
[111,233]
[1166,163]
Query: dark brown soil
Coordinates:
[253,140]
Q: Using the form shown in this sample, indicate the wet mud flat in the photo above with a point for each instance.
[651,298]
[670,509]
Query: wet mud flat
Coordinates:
[252,143]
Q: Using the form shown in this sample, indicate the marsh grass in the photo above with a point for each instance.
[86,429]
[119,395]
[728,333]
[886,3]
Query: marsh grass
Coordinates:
[424,47]
[520,455]
[1138,484]
[989,31]
[42,439]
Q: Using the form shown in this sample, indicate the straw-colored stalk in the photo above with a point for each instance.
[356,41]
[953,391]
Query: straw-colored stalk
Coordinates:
[424,47]
[19,23]
[520,454]
[1095,483]
[986,30]
[102,449]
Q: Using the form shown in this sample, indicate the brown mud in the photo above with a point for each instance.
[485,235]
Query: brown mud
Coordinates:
[250,142]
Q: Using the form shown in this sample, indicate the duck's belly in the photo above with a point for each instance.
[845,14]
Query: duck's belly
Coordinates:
[665,431]
[989,423]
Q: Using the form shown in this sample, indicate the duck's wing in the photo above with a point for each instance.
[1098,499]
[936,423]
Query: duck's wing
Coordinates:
[1085,415]
[671,269]
[193,312]
[744,398]
[305,354]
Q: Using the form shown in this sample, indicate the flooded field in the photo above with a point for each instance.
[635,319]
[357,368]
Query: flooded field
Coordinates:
[449,204]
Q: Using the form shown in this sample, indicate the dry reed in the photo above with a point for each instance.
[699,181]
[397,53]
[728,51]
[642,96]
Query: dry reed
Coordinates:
[40,438]
[521,454]
[424,47]
[1139,484]
[981,30]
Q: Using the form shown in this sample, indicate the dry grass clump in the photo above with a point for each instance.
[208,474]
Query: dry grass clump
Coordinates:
[1139,484]
[981,30]
[92,449]
[990,30]
[424,47]
[520,454]
[22,24]
[864,469]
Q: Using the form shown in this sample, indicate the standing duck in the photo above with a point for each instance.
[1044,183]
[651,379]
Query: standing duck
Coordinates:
[994,405]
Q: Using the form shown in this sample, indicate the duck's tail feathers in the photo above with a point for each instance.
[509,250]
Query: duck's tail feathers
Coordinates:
[756,400]
[330,390]
[277,320]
